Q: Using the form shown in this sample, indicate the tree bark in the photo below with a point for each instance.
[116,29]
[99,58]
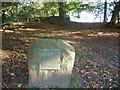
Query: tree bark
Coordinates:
[115,14]
[62,11]
[118,16]
[105,11]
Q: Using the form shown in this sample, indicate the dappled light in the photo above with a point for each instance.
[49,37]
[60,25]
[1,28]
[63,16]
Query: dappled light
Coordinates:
[8,31]
[93,43]
[71,42]
[108,34]
[112,34]
[3,54]
[27,29]
[18,23]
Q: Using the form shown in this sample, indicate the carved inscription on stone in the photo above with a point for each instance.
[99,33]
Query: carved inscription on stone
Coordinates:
[49,58]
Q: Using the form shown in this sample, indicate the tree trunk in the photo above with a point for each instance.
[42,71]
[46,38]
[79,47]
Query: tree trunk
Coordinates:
[115,15]
[114,19]
[118,16]
[62,11]
[105,11]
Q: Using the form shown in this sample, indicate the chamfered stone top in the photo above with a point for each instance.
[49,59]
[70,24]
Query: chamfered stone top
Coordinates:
[52,44]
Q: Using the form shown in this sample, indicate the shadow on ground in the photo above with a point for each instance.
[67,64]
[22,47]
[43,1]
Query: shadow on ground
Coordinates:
[96,45]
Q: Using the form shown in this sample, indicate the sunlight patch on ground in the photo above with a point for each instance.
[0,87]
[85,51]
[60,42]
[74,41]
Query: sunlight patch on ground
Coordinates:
[108,34]
[71,42]
[77,32]
[5,54]
[8,31]
[1,30]
[31,29]
[104,34]
[59,34]
[28,29]
[77,37]
[93,35]
[19,23]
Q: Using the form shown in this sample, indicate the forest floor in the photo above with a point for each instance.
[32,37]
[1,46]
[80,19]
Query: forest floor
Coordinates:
[96,46]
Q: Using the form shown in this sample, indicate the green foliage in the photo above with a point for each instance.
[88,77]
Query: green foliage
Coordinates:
[9,11]
[33,88]
[25,12]
[51,9]
[106,65]
[106,86]
[73,83]
[78,7]
[16,11]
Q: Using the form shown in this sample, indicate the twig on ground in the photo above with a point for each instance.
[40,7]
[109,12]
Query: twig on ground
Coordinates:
[5,85]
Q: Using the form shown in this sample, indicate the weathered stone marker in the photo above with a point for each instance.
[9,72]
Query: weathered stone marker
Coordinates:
[50,63]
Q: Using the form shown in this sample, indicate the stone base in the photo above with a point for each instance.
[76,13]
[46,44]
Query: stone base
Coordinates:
[45,78]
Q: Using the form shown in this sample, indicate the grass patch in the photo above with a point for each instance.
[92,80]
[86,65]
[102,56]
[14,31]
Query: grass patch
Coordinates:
[73,83]
[33,88]
[106,65]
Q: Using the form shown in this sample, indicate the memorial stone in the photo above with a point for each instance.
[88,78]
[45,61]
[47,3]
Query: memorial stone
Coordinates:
[50,63]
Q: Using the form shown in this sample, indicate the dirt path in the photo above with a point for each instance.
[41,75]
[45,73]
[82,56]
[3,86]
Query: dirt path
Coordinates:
[96,63]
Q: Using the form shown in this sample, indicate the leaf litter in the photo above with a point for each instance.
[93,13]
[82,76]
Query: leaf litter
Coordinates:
[96,63]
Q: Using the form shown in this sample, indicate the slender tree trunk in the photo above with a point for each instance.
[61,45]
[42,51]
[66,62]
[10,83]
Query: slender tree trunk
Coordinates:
[62,11]
[105,11]
[118,16]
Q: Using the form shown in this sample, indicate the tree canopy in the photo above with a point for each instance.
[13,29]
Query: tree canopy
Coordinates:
[21,11]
